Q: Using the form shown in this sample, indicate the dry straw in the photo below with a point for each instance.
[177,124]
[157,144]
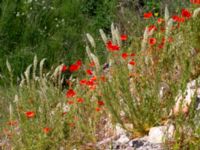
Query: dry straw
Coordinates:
[103,36]
[41,67]
[196,12]
[91,40]
[93,58]
[35,61]
[8,66]
[166,14]
[27,74]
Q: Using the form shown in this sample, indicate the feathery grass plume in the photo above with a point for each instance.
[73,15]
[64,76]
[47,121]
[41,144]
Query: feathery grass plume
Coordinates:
[16,99]
[88,52]
[91,40]
[35,61]
[10,111]
[166,14]
[145,39]
[150,33]
[56,76]
[131,86]
[168,28]
[56,71]
[22,81]
[92,57]
[47,74]
[60,76]
[43,83]
[196,12]
[27,74]
[96,61]
[8,66]
[117,37]
[10,71]
[184,99]
[114,41]
[41,66]
[1,76]
[130,67]
[103,36]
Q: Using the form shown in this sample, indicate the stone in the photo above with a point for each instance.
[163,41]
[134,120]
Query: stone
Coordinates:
[161,133]
[184,99]
[197,107]
[123,139]
[137,143]
[119,130]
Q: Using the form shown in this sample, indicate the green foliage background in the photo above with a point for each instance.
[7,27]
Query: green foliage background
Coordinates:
[54,29]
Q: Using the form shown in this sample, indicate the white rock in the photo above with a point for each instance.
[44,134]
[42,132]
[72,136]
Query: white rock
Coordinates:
[123,139]
[161,133]
[184,99]
[119,130]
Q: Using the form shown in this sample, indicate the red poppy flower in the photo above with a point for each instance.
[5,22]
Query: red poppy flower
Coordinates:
[112,47]
[70,93]
[123,37]
[70,102]
[89,72]
[76,66]
[46,130]
[83,81]
[152,27]
[148,15]
[163,40]
[94,78]
[175,18]
[98,109]
[100,103]
[79,62]
[178,19]
[132,62]
[64,68]
[160,46]
[195,1]
[80,100]
[30,114]
[185,13]
[132,54]
[115,47]
[152,41]
[90,83]
[124,55]
[181,19]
